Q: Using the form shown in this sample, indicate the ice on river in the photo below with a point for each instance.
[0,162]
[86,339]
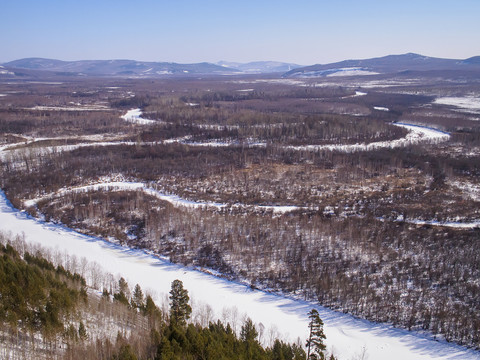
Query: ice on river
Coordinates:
[135,116]
[345,334]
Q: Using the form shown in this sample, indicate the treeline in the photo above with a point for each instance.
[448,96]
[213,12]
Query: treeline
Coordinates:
[43,123]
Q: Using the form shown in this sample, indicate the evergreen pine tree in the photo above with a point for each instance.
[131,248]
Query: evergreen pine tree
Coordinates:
[123,292]
[315,343]
[248,332]
[137,298]
[179,309]
[82,332]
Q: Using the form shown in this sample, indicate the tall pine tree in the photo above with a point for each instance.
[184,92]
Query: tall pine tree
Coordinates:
[315,343]
[137,301]
[179,309]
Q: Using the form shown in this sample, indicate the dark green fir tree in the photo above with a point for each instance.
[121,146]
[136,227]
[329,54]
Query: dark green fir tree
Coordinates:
[315,343]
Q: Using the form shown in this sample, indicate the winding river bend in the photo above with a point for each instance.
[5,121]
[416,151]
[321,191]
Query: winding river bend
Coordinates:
[346,336]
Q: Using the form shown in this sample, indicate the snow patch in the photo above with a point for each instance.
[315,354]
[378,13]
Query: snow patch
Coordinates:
[135,116]
[71,108]
[450,224]
[6,72]
[352,72]
[469,190]
[468,103]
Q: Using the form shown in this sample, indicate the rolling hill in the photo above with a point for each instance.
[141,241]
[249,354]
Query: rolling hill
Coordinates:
[384,65]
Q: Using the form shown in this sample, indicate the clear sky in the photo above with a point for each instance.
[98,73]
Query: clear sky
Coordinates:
[302,31]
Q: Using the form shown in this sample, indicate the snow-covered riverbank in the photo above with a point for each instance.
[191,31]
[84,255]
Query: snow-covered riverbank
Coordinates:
[416,135]
[173,199]
[345,334]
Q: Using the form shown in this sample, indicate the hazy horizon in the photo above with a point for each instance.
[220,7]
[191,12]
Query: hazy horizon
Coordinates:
[185,31]
[219,61]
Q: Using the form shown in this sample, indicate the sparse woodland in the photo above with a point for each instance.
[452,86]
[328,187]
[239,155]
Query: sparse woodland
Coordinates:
[352,245]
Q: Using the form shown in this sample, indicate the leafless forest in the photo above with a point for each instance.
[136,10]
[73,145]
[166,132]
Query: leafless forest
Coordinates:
[389,234]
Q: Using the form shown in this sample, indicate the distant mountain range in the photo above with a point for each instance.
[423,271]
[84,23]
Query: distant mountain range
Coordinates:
[141,69]
[260,67]
[385,65]
[116,67]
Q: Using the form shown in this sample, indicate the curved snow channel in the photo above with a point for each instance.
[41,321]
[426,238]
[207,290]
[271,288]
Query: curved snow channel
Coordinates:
[37,151]
[450,224]
[346,335]
[175,200]
[135,116]
[417,134]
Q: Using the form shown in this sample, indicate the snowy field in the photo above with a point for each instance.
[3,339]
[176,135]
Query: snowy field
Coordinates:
[346,336]
[468,103]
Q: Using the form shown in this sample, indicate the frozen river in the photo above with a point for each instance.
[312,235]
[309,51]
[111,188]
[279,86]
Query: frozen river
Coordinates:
[346,336]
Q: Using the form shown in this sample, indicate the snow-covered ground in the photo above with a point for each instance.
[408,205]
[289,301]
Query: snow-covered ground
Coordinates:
[6,72]
[381,108]
[450,224]
[468,103]
[353,71]
[175,200]
[346,335]
[135,116]
[468,189]
[417,134]
[71,108]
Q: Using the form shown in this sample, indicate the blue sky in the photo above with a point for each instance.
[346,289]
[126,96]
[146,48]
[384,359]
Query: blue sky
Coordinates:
[302,31]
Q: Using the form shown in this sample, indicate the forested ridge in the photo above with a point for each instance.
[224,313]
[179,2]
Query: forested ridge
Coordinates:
[46,313]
